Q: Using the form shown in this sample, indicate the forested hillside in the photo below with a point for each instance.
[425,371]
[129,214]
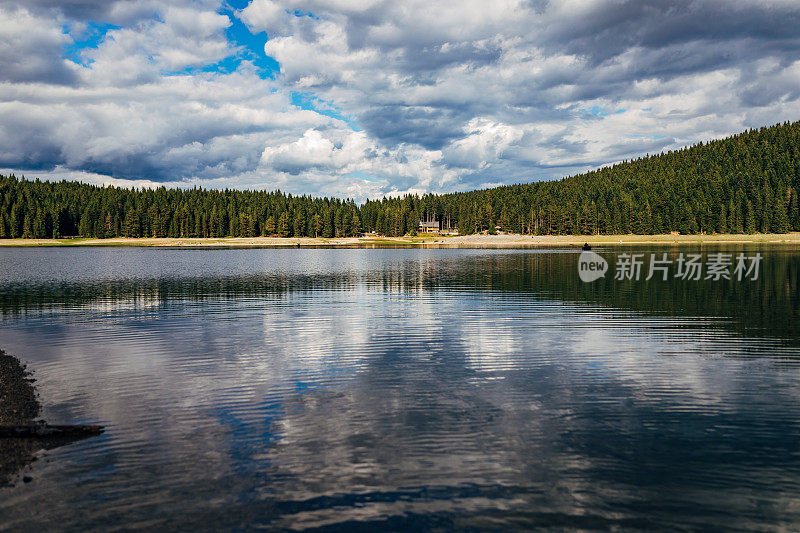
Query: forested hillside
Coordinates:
[747,183]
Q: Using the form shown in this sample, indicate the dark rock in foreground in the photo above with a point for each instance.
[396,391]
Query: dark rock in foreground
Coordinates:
[18,403]
[21,437]
[46,431]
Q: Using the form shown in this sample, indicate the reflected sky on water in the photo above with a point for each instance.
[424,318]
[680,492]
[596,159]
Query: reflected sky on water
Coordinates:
[403,388]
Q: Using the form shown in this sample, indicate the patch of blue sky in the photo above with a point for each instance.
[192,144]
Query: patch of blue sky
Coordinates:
[249,47]
[311,102]
[85,37]
[598,111]
[224,66]
[359,174]
[300,14]
[652,137]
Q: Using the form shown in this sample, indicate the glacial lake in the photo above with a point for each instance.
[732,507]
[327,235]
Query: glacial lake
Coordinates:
[404,389]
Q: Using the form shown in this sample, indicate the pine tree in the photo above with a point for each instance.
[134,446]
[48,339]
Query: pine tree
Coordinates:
[283,225]
[794,210]
[750,219]
[780,219]
[722,221]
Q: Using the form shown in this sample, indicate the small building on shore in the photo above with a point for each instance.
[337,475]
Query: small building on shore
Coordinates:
[434,224]
[429,226]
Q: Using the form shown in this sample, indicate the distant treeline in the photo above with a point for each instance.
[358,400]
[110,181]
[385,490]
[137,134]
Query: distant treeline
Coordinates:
[42,209]
[747,183]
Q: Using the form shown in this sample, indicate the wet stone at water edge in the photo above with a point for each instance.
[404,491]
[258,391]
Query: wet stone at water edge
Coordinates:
[18,403]
[18,406]
[21,436]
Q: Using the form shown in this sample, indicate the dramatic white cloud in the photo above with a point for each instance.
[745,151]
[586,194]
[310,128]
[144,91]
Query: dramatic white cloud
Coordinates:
[373,97]
[30,48]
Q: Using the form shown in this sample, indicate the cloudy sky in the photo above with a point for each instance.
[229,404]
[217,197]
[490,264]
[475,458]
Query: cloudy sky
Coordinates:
[363,98]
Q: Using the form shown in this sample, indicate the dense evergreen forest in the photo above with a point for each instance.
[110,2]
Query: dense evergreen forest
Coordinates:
[746,183]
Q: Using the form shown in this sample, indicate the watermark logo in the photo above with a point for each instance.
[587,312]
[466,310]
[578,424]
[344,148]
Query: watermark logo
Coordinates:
[633,267]
[591,266]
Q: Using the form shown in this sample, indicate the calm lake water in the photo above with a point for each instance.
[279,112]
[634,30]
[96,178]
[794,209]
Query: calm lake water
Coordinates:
[403,389]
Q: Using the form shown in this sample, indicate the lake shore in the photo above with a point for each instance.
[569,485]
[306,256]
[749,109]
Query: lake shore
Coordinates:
[459,241]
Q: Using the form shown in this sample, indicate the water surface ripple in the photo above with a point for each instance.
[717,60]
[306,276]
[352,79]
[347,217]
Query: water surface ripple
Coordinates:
[402,389]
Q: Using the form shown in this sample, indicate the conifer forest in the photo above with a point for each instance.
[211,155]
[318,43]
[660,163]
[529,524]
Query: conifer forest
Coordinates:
[746,183]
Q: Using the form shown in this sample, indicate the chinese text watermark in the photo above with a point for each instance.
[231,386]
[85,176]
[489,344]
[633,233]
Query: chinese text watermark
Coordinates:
[637,266]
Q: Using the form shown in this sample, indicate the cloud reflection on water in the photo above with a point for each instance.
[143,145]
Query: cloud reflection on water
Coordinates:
[405,388]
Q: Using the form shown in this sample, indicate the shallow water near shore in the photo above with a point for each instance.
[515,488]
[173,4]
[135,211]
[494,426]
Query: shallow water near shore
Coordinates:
[404,389]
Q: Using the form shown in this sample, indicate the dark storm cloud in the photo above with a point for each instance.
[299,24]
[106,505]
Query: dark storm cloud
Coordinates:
[116,11]
[88,9]
[35,67]
[429,128]
[36,155]
[663,39]
[611,28]
[425,59]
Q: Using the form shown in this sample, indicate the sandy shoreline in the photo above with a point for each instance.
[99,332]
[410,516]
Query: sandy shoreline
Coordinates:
[463,241]
[612,240]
